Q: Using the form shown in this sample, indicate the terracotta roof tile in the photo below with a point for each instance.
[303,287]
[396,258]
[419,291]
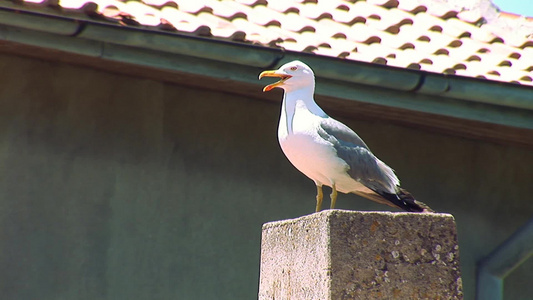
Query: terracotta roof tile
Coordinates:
[427,35]
[472,17]
[252,2]
[441,10]
[412,6]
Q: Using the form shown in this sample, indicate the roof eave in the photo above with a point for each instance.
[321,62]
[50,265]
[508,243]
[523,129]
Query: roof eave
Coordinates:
[409,90]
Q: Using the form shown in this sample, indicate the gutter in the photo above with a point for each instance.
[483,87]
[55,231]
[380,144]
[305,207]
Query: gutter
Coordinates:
[460,97]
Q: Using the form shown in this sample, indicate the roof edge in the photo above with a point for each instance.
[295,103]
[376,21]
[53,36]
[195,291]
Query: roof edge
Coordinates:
[462,97]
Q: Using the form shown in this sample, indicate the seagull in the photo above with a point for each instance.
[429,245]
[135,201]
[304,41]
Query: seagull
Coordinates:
[326,150]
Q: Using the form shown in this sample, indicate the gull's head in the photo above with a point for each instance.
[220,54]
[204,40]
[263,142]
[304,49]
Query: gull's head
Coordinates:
[294,75]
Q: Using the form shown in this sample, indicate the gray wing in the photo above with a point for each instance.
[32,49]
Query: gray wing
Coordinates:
[364,166]
[334,131]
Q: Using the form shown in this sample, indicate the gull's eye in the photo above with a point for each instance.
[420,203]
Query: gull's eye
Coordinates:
[294,68]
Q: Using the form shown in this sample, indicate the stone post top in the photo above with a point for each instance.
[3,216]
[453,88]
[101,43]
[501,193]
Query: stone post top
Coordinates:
[341,254]
[352,214]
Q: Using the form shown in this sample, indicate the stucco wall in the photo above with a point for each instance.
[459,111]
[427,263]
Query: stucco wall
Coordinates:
[114,187]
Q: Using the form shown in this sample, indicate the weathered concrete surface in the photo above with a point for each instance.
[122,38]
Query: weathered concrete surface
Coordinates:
[337,254]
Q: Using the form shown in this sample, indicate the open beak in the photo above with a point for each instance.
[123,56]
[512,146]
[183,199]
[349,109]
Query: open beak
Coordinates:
[274,73]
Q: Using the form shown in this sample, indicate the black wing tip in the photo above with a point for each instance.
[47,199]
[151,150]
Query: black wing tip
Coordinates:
[404,200]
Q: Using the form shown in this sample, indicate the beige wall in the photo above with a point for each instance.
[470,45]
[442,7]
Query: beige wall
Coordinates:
[114,187]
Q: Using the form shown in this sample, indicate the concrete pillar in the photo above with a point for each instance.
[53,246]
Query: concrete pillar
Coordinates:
[337,254]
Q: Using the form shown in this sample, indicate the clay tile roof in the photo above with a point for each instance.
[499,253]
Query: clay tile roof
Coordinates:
[467,38]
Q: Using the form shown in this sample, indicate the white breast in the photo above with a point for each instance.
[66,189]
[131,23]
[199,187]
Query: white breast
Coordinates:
[309,153]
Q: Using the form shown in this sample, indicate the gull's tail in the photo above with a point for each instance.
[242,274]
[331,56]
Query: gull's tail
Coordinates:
[404,200]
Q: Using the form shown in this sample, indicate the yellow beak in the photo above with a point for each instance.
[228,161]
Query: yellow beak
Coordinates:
[274,73]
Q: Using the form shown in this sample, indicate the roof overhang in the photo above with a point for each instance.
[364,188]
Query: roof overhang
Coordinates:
[478,108]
